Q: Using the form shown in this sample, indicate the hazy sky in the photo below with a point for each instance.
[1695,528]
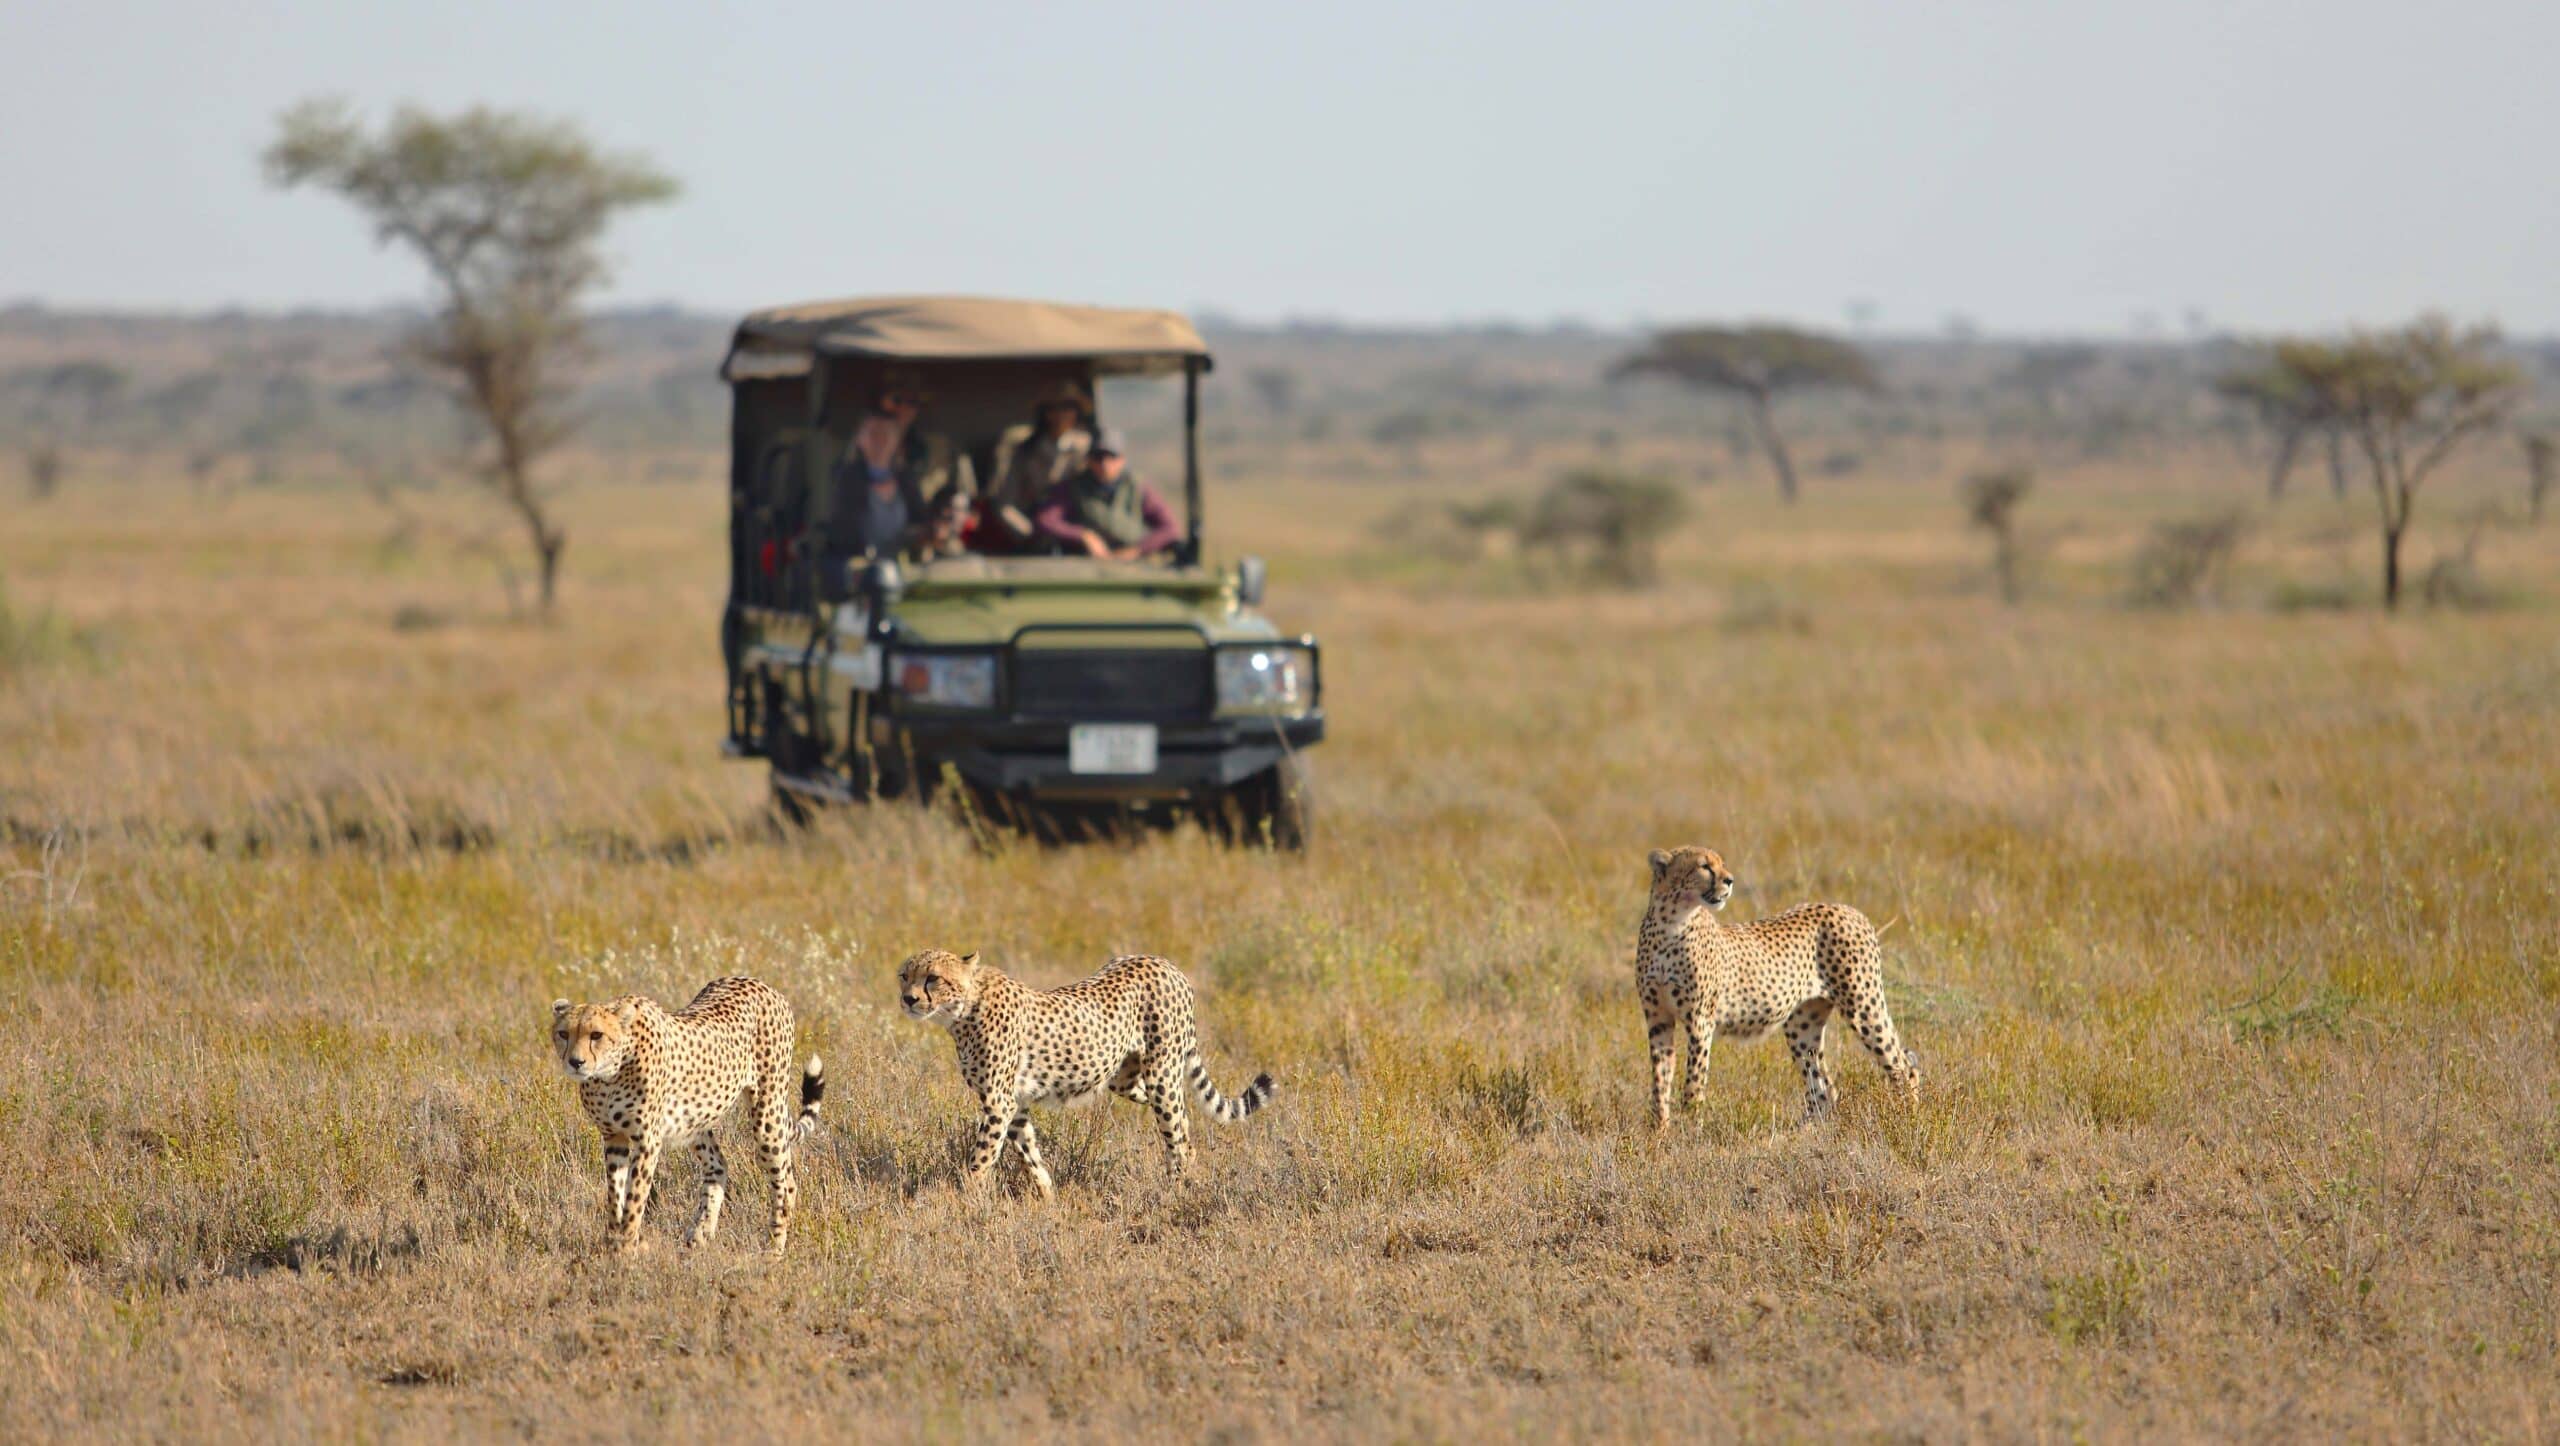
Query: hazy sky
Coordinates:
[2036,166]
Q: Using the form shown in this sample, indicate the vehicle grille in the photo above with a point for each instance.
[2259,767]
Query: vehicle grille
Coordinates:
[1139,685]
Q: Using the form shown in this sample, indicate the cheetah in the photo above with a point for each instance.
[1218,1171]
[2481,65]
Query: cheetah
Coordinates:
[1128,1029]
[1789,971]
[650,1080]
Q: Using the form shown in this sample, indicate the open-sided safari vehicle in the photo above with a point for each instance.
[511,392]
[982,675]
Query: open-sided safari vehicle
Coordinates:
[1060,692]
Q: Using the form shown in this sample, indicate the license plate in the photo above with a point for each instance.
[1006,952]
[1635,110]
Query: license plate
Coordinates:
[1111,748]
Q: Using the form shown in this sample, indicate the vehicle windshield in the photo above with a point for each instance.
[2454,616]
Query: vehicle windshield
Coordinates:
[1056,469]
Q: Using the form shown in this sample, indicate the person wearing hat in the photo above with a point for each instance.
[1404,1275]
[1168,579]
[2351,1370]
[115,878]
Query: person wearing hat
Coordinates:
[1048,453]
[923,453]
[1105,511]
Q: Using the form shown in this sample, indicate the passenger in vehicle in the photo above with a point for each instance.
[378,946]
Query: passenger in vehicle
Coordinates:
[923,452]
[1105,511]
[953,525]
[877,506]
[1054,450]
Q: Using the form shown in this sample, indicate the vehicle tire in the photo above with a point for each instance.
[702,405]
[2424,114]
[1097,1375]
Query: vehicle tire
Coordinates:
[1275,808]
[795,810]
[793,755]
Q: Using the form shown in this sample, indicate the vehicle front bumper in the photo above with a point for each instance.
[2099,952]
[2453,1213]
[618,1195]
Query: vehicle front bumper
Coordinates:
[1192,759]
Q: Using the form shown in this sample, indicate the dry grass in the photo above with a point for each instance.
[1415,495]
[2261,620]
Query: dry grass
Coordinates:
[2227,941]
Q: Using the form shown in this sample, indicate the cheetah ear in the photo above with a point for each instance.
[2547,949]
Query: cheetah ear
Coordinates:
[970,959]
[558,1007]
[627,1010]
[1660,859]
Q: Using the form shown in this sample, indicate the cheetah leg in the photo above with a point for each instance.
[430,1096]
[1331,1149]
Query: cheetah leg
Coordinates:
[1164,1091]
[644,1175]
[617,1182]
[993,1121]
[774,1134]
[1026,1143]
[715,1190]
[1804,1040]
[1875,1031]
[1660,1030]
[1702,1041]
[1129,1084]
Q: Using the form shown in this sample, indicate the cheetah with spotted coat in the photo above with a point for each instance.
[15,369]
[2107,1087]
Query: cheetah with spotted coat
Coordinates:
[651,1080]
[1129,1029]
[1789,972]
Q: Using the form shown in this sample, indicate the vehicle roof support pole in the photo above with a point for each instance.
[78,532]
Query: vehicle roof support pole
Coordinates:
[1191,452]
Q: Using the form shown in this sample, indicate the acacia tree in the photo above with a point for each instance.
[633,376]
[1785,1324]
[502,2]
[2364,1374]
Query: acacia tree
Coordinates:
[2291,412]
[1756,364]
[2406,399]
[1991,503]
[508,212]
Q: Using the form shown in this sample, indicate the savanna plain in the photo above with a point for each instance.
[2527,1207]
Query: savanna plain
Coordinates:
[2226,937]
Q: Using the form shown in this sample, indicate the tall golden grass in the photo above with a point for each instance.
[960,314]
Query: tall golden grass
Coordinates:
[2227,940]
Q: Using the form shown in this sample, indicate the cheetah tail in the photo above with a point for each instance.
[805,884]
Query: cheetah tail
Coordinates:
[1255,1096]
[813,1088]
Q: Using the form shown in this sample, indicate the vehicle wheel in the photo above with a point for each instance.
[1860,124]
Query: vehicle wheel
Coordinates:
[1274,809]
[793,755]
[792,808]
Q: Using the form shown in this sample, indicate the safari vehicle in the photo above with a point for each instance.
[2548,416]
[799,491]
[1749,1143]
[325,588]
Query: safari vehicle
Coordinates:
[1062,694]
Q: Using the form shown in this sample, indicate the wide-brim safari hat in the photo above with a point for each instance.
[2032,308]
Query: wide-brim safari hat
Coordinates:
[1066,394]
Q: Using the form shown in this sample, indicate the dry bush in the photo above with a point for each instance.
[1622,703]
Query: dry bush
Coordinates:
[1991,503]
[2454,580]
[46,468]
[2541,472]
[2184,561]
[1613,521]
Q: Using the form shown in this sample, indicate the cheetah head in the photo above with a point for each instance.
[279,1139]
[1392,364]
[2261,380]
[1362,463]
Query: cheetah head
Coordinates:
[593,1039]
[1692,876]
[938,986]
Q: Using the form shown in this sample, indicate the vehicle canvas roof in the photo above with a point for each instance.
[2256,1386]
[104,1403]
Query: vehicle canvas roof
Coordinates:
[1119,341]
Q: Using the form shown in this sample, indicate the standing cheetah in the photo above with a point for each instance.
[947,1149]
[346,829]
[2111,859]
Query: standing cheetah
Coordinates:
[650,1079]
[1795,968]
[1128,1029]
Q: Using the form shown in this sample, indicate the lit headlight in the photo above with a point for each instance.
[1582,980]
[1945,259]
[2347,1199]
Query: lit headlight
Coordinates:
[948,680]
[1265,679]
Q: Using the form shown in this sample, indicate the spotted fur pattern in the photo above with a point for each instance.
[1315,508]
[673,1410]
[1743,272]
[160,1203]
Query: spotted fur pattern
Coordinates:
[1129,1029]
[1788,972]
[652,1081]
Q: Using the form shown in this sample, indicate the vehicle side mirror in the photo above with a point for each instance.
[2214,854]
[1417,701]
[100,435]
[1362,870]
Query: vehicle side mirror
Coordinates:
[1252,576]
[886,583]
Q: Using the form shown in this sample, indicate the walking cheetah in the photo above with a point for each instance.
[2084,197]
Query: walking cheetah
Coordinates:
[1128,1029]
[650,1080]
[1694,971]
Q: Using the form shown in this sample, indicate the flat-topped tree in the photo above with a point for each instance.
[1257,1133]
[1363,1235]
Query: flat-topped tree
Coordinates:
[1756,364]
[2406,399]
[508,212]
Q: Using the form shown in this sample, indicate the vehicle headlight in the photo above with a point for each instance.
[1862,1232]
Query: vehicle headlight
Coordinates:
[1266,678]
[948,680]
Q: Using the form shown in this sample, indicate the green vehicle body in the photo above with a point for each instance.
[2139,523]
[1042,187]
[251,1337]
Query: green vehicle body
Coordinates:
[1090,693]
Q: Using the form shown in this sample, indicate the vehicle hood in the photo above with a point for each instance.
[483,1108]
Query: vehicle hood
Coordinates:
[1068,602]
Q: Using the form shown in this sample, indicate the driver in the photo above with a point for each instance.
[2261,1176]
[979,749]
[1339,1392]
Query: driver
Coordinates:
[1105,511]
